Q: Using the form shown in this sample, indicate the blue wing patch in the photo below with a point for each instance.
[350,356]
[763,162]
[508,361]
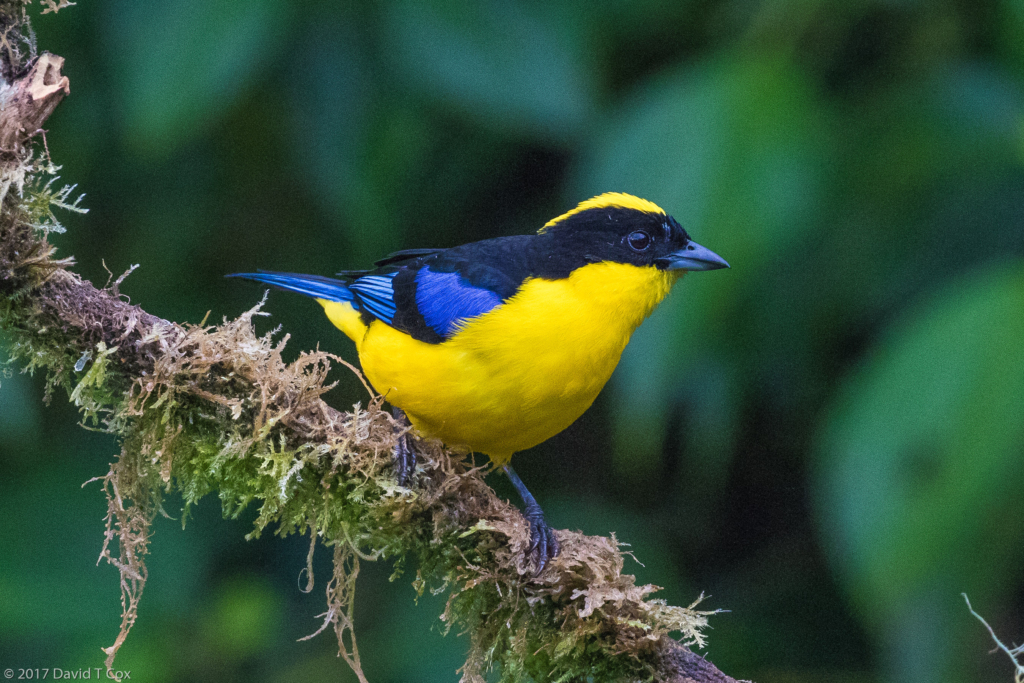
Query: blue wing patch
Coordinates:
[377,295]
[446,299]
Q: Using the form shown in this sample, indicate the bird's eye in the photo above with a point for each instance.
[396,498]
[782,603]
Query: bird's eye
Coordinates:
[639,240]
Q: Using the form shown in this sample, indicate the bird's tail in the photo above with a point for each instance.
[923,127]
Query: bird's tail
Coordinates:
[316,286]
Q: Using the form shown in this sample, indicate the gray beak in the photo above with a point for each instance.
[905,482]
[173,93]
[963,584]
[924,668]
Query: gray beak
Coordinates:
[692,257]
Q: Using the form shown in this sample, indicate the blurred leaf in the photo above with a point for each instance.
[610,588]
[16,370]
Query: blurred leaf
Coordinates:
[329,102]
[1010,30]
[919,473]
[19,407]
[731,149]
[245,618]
[954,122]
[180,64]
[922,166]
[398,621]
[509,64]
[967,102]
[334,110]
[51,537]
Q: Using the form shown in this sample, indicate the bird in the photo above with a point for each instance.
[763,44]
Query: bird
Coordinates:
[497,345]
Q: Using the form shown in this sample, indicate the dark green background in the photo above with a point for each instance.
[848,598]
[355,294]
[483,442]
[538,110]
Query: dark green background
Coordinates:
[826,438]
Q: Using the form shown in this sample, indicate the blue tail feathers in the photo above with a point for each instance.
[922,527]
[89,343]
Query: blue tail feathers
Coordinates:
[316,286]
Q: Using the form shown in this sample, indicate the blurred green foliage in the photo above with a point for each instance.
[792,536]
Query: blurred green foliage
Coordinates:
[827,438]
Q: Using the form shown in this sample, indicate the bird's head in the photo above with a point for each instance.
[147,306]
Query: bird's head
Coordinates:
[622,228]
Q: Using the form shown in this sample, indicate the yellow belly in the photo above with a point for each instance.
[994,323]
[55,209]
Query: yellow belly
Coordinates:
[522,372]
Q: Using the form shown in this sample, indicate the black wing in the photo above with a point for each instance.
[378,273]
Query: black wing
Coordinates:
[394,257]
[428,293]
[405,255]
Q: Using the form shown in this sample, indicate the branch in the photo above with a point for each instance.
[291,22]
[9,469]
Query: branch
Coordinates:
[1012,653]
[30,100]
[199,409]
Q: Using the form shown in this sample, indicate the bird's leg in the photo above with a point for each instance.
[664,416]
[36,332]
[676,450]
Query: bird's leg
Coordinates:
[403,454]
[543,544]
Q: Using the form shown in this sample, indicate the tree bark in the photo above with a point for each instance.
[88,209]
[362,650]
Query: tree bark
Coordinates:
[26,103]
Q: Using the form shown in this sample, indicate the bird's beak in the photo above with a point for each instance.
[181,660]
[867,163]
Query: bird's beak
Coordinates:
[692,257]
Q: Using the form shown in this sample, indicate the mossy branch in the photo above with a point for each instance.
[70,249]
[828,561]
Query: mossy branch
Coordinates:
[203,409]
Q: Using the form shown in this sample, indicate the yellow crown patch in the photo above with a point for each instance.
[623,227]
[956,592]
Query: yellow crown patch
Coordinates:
[608,200]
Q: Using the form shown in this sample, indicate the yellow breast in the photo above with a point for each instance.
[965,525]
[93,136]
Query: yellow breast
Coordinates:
[522,372]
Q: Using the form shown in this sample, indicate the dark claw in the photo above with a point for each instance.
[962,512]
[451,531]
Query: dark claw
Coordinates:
[543,544]
[403,454]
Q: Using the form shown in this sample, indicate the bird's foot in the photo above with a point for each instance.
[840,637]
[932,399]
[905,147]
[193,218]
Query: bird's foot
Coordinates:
[403,453]
[543,544]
